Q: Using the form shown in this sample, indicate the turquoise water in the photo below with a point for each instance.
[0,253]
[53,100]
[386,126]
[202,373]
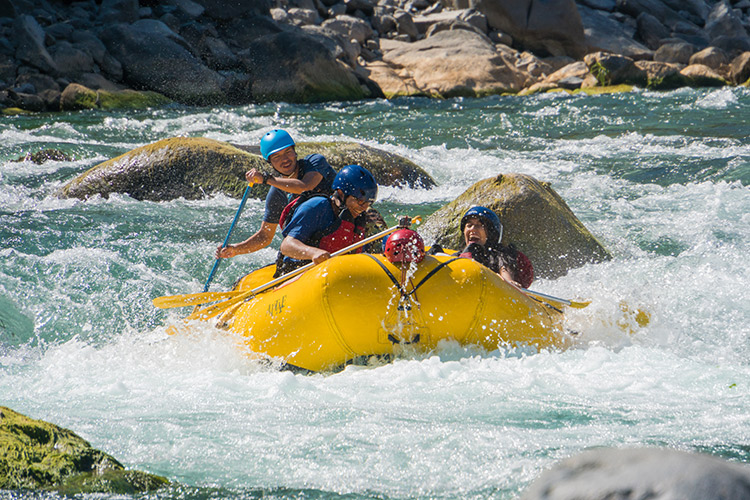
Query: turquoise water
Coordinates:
[662,179]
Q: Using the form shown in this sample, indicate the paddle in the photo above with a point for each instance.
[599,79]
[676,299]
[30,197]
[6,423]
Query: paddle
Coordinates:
[555,300]
[190,299]
[236,297]
[226,240]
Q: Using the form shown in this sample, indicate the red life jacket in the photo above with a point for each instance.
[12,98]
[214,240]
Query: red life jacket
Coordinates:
[339,235]
[346,234]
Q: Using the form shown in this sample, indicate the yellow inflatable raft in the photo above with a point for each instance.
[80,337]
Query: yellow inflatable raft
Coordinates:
[354,306]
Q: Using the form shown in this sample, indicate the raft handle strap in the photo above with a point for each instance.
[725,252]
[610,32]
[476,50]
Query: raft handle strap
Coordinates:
[398,286]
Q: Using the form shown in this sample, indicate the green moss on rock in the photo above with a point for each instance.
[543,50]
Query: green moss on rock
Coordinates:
[131,99]
[38,455]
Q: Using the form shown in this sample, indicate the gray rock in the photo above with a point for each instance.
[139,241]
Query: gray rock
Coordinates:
[712,57]
[605,34]
[405,25]
[548,28]
[310,73]
[119,11]
[731,45]
[60,31]
[72,61]
[38,82]
[350,27]
[658,474]
[651,30]
[454,25]
[30,47]
[677,53]
[666,15]
[606,5]
[154,57]
[90,43]
[724,22]
[227,11]
[191,9]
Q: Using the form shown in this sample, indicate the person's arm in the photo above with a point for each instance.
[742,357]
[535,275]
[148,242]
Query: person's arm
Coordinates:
[296,186]
[259,240]
[294,248]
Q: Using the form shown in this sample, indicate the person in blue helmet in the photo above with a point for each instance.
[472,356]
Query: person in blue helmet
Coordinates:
[322,225]
[293,177]
[483,232]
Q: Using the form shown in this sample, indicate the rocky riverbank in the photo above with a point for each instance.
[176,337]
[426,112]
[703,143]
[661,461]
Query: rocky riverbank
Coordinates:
[67,55]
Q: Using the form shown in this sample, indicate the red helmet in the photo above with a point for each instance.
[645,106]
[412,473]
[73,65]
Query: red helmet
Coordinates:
[404,245]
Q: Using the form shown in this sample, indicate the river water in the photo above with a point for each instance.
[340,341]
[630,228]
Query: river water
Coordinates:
[662,179]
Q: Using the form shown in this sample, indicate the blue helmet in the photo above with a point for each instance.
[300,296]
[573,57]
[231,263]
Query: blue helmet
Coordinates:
[489,219]
[274,141]
[356,181]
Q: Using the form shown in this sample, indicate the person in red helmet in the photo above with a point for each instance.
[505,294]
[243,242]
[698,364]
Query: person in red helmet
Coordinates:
[293,176]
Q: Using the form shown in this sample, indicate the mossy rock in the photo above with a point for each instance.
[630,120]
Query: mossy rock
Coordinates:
[535,218]
[193,167]
[38,455]
[78,97]
[389,169]
[44,155]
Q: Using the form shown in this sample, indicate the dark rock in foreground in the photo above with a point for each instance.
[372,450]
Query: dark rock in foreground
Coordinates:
[640,473]
[38,455]
[534,218]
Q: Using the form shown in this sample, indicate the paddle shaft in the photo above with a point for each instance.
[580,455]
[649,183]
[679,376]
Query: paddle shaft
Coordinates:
[229,233]
[214,310]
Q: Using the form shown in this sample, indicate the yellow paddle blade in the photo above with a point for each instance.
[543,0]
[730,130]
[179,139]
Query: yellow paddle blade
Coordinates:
[216,309]
[556,301]
[190,299]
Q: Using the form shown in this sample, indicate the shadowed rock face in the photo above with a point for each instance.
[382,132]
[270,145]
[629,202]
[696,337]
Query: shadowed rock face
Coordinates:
[534,218]
[211,52]
[194,167]
[38,455]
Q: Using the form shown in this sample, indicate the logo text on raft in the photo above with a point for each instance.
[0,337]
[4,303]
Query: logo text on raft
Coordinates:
[277,306]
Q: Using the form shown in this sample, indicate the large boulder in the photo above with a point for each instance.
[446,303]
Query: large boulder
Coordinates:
[193,167]
[451,63]
[30,46]
[153,57]
[609,473]
[296,66]
[38,455]
[534,218]
[550,27]
[605,34]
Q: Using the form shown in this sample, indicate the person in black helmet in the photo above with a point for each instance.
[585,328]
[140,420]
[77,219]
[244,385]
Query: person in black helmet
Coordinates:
[483,232]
